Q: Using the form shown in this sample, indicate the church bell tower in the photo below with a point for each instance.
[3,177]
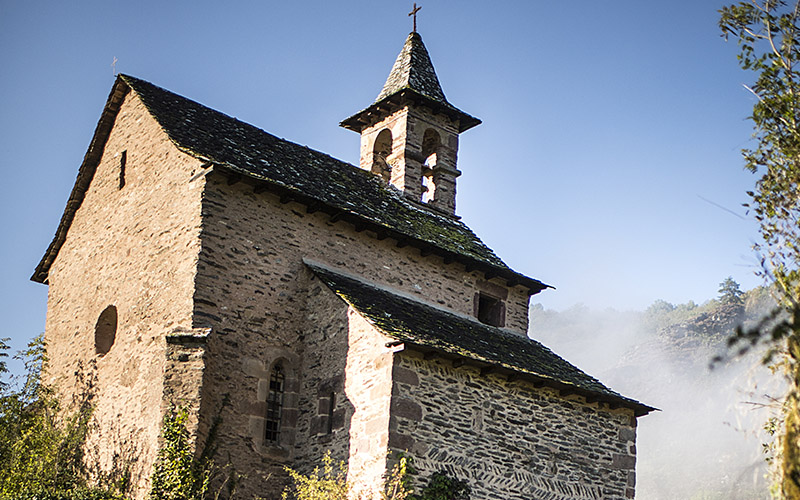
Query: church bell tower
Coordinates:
[409,135]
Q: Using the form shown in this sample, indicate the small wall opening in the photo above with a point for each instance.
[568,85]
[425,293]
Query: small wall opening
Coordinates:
[380,154]
[430,148]
[430,145]
[105,330]
[428,189]
[123,160]
[331,409]
[329,419]
[490,310]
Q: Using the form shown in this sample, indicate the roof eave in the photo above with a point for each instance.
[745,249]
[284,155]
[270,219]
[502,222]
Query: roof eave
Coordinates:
[462,339]
[379,109]
[361,223]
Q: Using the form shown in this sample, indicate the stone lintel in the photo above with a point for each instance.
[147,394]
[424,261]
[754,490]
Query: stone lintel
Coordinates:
[188,336]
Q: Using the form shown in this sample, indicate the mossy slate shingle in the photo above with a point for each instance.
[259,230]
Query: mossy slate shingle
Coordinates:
[413,69]
[419,324]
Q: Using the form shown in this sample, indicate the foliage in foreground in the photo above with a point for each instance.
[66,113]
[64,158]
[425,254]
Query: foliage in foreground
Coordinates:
[41,443]
[330,483]
[177,473]
[180,472]
[768,34]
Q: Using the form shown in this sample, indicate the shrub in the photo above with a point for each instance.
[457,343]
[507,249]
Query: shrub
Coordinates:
[41,443]
[330,483]
[177,473]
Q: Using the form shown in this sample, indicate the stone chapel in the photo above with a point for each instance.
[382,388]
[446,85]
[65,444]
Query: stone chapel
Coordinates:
[314,305]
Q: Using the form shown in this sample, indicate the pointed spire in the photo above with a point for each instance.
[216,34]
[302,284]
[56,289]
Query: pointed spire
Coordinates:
[413,70]
[412,79]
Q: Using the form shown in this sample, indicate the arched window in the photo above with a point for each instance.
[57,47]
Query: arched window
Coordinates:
[430,148]
[105,330]
[277,381]
[380,152]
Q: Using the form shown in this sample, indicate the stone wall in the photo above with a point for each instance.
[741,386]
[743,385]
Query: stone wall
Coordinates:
[134,248]
[407,158]
[327,340]
[253,247]
[184,371]
[507,439]
[368,385]
[345,361]
[252,290]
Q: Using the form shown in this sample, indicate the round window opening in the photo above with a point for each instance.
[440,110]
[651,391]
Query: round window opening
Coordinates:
[105,331]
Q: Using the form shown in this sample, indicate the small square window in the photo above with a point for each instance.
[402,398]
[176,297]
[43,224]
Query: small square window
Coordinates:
[490,310]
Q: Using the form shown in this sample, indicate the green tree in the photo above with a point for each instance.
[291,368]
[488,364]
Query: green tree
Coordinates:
[767,33]
[730,293]
[3,367]
[42,444]
[658,315]
[399,483]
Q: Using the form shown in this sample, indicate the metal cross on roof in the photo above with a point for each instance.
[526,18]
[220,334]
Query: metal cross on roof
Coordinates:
[414,13]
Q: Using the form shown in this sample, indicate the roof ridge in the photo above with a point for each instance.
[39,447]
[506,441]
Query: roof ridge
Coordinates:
[191,136]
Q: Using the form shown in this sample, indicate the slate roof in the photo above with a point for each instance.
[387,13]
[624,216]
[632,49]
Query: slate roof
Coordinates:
[413,78]
[295,171]
[413,69]
[434,329]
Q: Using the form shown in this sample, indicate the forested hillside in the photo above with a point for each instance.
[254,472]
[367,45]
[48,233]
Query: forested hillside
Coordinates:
[706,443]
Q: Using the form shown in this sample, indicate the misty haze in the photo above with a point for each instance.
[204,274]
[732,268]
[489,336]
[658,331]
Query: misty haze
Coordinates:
[706,443]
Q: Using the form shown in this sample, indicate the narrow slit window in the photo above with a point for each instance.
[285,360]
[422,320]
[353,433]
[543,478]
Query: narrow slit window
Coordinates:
[123,160]
[277,381]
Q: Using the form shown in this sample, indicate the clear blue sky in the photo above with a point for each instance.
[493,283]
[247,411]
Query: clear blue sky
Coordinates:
[606,125]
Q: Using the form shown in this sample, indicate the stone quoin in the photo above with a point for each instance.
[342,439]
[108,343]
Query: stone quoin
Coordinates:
[314,305]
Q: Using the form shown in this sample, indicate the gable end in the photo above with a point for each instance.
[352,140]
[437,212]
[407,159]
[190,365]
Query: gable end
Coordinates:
[85,174]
